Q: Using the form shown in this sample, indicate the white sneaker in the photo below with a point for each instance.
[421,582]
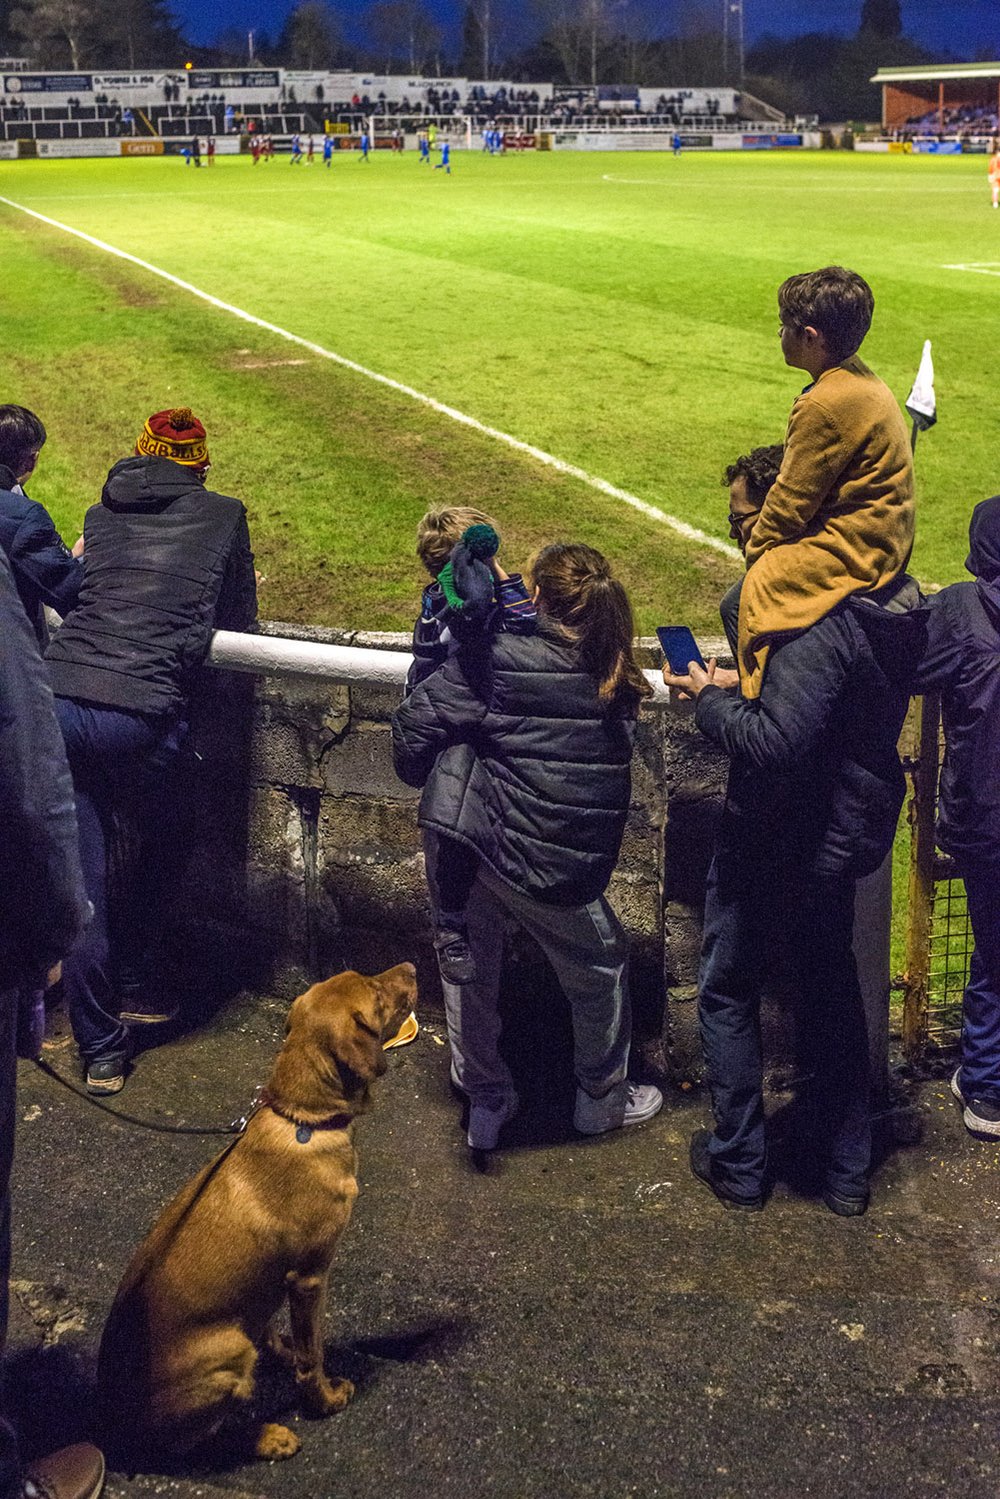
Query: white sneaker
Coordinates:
[485,1124]
[627,1103]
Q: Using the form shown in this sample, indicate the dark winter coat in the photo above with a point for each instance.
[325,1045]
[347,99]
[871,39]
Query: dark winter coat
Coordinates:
[44,569]
[962,661]
[815,773]
[166,562]
[43,905]
[535,777]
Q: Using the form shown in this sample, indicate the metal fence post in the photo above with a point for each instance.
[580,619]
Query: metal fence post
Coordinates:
[921,817]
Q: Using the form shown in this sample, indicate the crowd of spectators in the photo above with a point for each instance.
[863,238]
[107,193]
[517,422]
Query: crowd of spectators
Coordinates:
[965,121]
[519,723]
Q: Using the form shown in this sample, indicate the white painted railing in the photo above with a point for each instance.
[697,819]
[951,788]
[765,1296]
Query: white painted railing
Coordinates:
[276,656]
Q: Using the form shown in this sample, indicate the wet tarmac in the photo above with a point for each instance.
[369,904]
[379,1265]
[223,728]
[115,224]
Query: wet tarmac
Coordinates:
[569,1318]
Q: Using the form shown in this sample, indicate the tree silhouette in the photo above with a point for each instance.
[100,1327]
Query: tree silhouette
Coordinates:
[882,18]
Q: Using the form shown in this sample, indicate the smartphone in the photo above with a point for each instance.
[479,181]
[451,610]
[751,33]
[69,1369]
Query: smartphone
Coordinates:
[680,648]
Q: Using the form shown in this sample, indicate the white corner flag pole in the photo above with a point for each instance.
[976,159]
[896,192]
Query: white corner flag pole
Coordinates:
[921,403]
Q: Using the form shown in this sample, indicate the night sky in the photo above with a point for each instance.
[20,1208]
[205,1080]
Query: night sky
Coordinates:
[962,28]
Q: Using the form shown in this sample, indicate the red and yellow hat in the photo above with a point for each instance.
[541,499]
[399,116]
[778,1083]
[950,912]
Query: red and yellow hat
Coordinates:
[177,435]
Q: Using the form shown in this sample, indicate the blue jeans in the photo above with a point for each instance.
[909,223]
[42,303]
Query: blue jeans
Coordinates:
[980,1076]
[121,764]
[747,906]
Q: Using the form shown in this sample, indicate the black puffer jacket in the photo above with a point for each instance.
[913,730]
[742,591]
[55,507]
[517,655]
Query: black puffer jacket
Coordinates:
[536,779]
[815,771]
[962,661]
[166,562]
[43,904]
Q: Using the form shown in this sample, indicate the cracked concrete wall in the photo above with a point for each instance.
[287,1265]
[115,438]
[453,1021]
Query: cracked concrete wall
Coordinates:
[305,852]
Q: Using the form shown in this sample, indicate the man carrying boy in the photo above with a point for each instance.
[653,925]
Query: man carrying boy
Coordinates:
[447,623]
[814,791]
[839,517]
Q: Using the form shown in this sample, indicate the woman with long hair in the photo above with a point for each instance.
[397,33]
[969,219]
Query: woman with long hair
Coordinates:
[527,764]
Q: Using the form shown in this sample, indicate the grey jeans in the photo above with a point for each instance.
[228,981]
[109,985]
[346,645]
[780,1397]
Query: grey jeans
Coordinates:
[589,953]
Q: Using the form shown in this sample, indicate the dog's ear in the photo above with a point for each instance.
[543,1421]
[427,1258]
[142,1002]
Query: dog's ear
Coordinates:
[358,1044]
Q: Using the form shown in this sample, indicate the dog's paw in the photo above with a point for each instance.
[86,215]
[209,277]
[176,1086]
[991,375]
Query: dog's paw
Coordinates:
[273,1443]
[321,1397]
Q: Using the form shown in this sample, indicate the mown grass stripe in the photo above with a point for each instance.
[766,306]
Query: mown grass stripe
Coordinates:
[593,481]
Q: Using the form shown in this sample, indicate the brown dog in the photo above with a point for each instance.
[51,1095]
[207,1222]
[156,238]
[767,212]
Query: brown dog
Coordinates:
[259,1223]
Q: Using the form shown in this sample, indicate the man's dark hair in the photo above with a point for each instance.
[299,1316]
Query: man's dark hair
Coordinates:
[759,468]
[21,436]
[836,302]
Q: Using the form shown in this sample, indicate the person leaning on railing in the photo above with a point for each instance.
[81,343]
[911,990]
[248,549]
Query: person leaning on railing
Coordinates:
[166,562]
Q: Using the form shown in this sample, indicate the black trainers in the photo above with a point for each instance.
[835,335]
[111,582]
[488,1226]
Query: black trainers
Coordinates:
[846,1207]
[106,1075]
[456,964]
[981,1116]
[701,1165]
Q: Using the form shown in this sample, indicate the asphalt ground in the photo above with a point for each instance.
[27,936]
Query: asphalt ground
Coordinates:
[570,1317]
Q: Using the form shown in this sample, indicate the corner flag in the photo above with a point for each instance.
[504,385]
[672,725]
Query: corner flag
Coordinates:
[921,403]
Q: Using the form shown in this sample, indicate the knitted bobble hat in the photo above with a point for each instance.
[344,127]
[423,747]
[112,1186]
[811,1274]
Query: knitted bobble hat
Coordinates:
[177,435]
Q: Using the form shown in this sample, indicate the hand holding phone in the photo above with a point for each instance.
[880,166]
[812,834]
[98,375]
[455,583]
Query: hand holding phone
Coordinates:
[680,648]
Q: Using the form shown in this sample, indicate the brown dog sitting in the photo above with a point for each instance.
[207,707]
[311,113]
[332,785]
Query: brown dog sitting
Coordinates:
[259,1223]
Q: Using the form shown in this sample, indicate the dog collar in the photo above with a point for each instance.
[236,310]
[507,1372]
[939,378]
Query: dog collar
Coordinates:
[304,1132]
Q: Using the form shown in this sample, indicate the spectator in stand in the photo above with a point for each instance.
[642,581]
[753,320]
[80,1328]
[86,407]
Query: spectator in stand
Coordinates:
[43,910]
[44,569]
[166,562]
[962,662]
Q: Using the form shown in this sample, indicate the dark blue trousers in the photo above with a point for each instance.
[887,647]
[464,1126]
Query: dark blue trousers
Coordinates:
[122,763]
[980,1077]
[10,1468]
[751,910]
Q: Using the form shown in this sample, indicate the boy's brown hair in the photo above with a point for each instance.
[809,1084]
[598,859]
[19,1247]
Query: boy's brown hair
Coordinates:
[836,302]
[439,531]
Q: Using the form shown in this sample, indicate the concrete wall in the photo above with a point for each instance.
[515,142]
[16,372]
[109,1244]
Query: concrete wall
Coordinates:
[305,852]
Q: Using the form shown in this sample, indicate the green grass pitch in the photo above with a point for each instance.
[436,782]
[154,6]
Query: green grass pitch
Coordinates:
[615,310]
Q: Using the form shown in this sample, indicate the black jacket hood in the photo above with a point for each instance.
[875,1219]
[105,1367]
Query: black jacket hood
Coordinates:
[895,626]
[142,483]
[983,561]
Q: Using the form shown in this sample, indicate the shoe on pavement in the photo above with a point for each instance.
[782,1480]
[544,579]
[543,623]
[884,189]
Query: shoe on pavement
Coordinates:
[456,964]
[979,1115]
[846,1207]
[627,1103]
[702,1166]
[71,1473]
[485,1124]
[106,1075]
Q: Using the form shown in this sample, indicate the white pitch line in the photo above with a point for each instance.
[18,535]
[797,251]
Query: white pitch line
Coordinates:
[653,512]
[981,267]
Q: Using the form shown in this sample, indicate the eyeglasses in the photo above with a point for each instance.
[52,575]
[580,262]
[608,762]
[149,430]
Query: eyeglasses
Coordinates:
[736,521]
